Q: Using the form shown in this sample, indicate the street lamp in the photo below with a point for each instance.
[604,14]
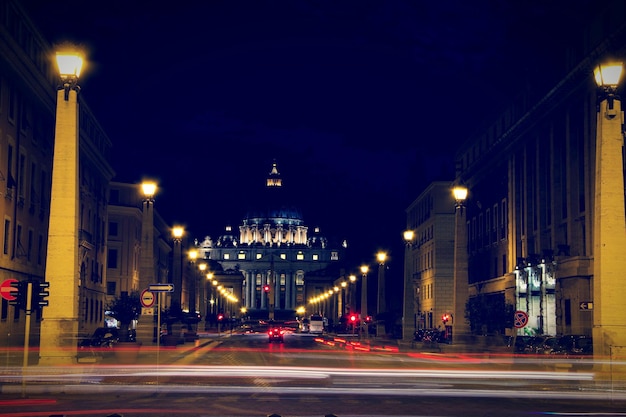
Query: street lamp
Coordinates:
[352,294]
[59,326]
[609,226]
[364,270]
[381,307]
[193,256]
[459,328]
[201,285]
[408,313]
[145,326]
[177,276]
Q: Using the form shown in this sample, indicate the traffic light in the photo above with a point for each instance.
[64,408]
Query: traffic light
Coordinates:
[445,318]
[19,290]
[40,292]
[266,288]
[353,318]
[220,317]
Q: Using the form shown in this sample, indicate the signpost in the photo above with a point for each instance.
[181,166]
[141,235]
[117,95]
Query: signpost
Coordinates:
[160,289]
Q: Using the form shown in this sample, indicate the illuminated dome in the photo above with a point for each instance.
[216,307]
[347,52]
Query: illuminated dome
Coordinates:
[277,224]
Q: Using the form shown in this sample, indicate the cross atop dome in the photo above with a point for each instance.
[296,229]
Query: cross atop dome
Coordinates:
[274,180]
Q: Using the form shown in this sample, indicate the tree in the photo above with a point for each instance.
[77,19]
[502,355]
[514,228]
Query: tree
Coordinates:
[489,313]
[126,309]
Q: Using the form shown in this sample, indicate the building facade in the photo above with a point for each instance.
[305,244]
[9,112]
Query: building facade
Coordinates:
[530,209]
[274,251]
[28,84]
[430,255]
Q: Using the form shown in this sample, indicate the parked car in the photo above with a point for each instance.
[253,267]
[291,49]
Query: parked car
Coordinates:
[103,337]
[548,346]
[574,346]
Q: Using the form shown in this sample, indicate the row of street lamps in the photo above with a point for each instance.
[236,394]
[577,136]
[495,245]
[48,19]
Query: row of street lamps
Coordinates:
[62,262]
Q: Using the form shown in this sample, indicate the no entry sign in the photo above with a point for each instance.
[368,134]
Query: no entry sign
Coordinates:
[147,298]
[6,289]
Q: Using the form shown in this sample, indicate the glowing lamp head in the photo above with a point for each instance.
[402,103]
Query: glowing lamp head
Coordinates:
[460,193]
[408,235]
[381,257]
[177,232]
[365,269]
[149,189]
[70,63]
[608,75]
[193,255]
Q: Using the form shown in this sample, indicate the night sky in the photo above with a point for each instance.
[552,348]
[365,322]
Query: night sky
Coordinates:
[361,103]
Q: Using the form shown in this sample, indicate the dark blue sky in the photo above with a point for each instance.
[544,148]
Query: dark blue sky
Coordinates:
[362,103]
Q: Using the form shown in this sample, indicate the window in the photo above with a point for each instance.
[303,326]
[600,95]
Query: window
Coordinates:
[259,255]
[40,250]
[316,257]
[227,256]
[241,255]
[111,285]
[7,228]
[300,256]
[334,256]
[113,226]
[112,258]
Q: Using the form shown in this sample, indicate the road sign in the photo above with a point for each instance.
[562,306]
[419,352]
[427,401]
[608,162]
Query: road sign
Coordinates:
[586,305]
[161,288]
[147,298]
[6,289]
[520,319]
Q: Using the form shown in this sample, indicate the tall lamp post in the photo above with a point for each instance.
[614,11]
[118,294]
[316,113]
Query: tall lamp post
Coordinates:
[609,238]
[60,324]
[193,256]
[381,307]
[364,270]
[460,329]
[146,329]
[408,311]
[201,290]
[177,275]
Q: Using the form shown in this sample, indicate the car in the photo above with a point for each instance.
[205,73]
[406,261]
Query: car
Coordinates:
[276,334]
[103,337]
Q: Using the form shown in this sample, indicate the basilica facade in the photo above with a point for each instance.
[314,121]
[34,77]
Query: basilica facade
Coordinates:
[280,260]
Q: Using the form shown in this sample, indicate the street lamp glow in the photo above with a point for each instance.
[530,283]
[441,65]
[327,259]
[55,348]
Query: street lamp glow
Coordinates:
[177,232]
[352,278]
[460,193]
[70,64]
[381,256]
[408,236]
[193,255]
[149,189]
[365,269]
[608,75]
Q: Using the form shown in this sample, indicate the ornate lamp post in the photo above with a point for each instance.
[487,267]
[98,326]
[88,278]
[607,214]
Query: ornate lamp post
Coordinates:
[146,330]
[460,328]
[409,306]
[609,226]
[364,270]
[177,275]
[381,307]
[193,256]
[60,324]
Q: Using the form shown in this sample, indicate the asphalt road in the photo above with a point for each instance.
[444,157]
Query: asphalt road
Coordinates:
[244,375]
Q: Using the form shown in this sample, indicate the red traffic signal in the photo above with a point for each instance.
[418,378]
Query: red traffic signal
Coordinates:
[352,318]
[266,288]
[220,317]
